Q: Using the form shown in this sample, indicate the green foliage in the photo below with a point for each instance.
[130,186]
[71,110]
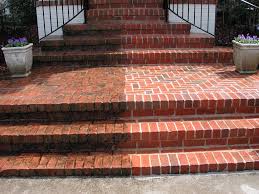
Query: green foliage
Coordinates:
[18,20]
[22,12]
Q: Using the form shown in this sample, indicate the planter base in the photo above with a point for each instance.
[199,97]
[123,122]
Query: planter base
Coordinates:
[21,75]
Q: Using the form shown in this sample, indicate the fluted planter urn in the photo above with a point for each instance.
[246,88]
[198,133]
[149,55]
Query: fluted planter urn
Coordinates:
[19,60]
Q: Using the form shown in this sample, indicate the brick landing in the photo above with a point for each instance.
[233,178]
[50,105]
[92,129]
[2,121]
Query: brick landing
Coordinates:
[132,91]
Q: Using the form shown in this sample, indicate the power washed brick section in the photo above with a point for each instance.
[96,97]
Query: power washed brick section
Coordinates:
[194,162]
[125,165]
[120,135]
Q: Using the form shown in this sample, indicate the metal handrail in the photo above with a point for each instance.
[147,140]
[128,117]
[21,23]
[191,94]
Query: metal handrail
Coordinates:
[76,10]
[251,4]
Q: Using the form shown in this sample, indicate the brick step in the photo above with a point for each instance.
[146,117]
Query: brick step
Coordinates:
[83,164]
[137,56]
[148,14]
[126,27]
[126,42]
[111,136]
[83,107]
[125,3]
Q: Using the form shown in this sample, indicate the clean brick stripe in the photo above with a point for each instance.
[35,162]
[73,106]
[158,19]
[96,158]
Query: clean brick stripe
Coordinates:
[129,135]
[124,165]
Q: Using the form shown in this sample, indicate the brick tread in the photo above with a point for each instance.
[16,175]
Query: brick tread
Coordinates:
[71,164]
[130,135]
[140,56]
[127,27]
[131,41]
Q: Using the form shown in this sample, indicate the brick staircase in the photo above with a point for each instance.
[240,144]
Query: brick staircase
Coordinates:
[129,94]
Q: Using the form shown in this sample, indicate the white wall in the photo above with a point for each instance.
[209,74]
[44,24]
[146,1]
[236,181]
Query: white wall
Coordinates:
[52,11]
[207,12]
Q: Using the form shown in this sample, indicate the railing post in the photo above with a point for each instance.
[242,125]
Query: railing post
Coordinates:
[2,21]
[86,7]
[166,7]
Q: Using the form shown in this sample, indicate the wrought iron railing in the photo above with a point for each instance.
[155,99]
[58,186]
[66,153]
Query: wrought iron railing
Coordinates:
[54,14]
[203,14]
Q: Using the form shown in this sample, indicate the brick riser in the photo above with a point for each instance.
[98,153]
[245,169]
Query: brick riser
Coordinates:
[127,42]
[111,136]
[138,57]
[125,165]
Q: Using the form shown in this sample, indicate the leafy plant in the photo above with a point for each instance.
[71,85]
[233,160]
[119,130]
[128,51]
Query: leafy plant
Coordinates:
[247,39]
[17,42]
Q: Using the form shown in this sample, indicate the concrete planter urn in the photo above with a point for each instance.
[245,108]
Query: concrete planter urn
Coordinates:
[246,57]
[18,60]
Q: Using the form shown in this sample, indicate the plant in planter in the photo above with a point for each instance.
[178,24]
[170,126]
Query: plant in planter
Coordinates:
[18,57]
[246,53]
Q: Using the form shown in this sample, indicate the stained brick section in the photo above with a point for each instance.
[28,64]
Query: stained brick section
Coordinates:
[65,165]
